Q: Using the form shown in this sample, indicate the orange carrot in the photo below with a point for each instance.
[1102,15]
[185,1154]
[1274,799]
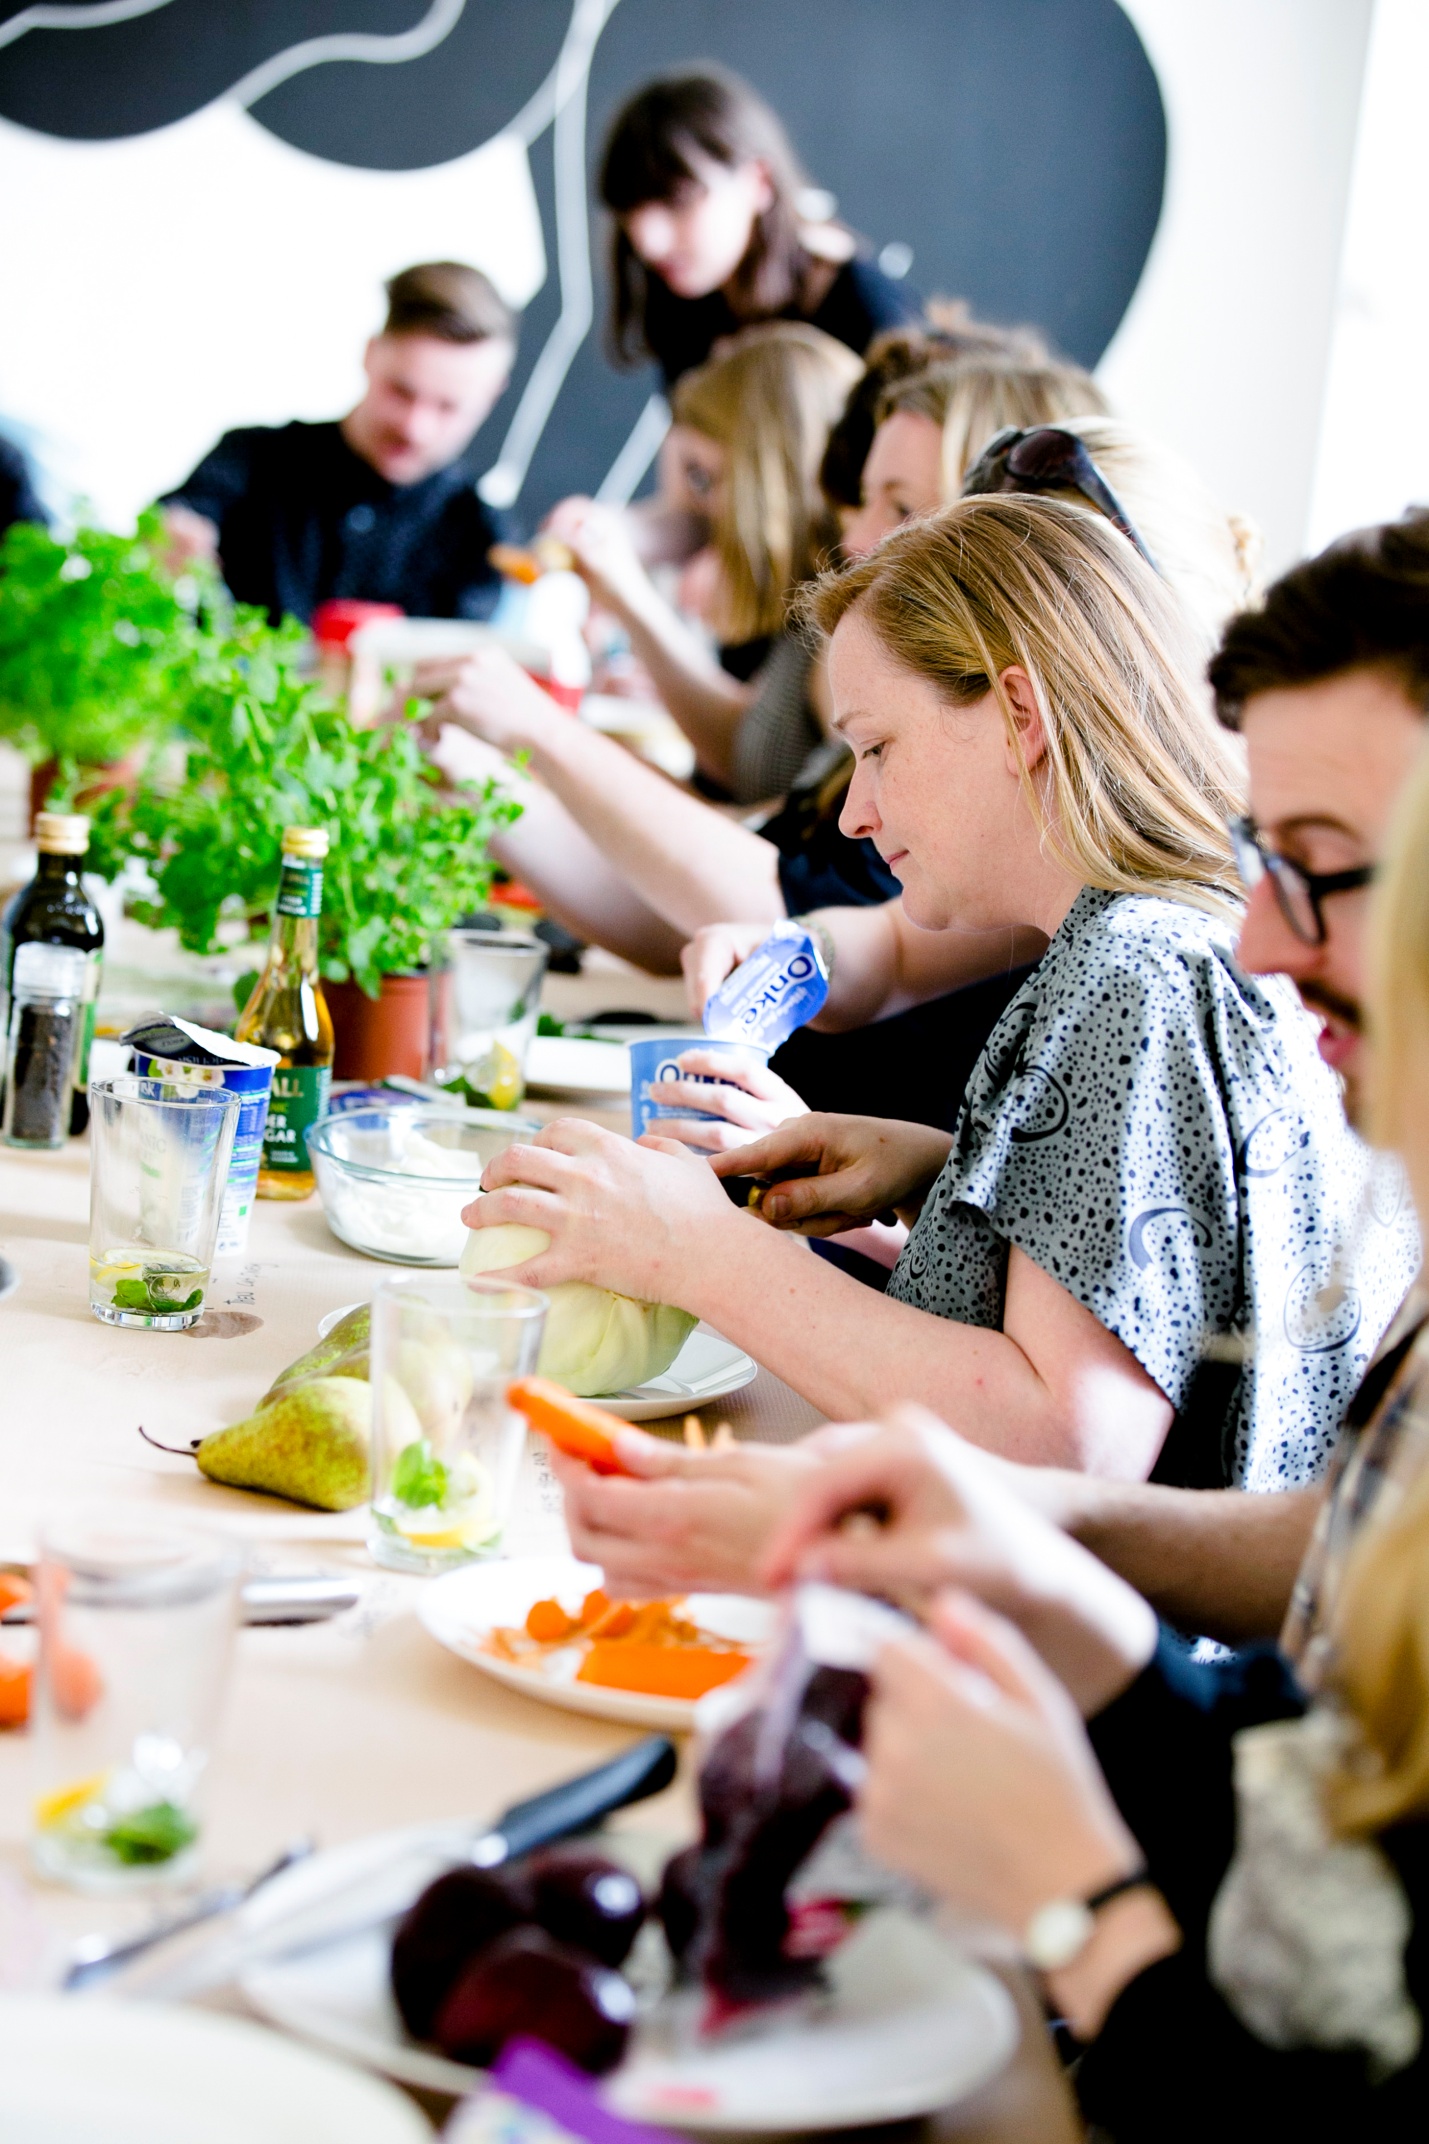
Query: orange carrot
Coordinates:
[575,1427]
[593,1607]
[547,1622]
[13,1590]
[618,1620]
[14,1693]
[76,1681]
[659,1670]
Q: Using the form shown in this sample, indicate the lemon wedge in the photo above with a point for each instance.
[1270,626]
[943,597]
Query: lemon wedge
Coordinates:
[53,1808]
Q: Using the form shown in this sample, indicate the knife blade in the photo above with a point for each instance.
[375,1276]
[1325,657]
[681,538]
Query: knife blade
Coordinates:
[301,1598]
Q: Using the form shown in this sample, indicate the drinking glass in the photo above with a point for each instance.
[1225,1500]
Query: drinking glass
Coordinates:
[446,1447]
[136,1619]
[159,1151]
[485,1007]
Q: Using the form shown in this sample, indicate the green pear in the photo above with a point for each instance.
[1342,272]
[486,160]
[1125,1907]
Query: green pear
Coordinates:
[348,1334]
[311,1444]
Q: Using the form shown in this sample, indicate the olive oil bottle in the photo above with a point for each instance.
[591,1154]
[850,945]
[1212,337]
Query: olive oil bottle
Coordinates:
[288,1013]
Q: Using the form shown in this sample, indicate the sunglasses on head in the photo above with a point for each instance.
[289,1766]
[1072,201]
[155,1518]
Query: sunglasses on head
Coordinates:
[1044,458]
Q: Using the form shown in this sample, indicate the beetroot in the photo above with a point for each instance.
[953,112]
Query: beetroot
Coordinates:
[528,1983]
[454,1918]
[586,1900]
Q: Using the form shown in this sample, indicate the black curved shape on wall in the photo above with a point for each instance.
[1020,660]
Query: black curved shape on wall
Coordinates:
[1017,146]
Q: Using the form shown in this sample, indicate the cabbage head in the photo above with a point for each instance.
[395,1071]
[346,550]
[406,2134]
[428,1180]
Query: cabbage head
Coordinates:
[596,1342]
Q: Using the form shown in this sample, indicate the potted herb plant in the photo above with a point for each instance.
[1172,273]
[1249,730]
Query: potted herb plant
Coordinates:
[260,749]
[97,646]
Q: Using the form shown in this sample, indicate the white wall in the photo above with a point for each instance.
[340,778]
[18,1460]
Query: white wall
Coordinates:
[1374,446]
[163,288]
[1223,351]
[166,287]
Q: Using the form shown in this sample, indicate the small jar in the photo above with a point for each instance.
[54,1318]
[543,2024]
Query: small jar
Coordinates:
[47,1013]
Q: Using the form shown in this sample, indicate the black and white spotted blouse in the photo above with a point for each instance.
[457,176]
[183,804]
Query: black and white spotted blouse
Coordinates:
[1158,1132]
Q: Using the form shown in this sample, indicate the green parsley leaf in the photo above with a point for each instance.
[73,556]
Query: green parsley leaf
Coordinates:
[419,1478]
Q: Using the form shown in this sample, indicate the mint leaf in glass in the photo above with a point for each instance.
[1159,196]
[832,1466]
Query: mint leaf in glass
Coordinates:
[153,1834]
[419,1479]
[132,1295]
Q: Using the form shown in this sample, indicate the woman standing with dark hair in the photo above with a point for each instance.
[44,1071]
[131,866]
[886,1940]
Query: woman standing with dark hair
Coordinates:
[706,190]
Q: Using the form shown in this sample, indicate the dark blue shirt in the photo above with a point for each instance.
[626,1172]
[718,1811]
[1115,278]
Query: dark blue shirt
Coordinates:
[301,518]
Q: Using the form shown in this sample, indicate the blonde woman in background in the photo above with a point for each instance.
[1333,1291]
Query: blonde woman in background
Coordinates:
[1031,752]
[750,427]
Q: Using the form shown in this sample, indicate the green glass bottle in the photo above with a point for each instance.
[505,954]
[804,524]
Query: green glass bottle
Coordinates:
[287,1012]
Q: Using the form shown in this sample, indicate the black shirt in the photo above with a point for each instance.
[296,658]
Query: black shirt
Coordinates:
[300,518]
[859,303]
[18,501]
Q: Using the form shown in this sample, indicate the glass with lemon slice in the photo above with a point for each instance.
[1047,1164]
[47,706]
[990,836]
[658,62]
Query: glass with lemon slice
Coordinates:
[446,1447]
[136,1617]
[486,1002]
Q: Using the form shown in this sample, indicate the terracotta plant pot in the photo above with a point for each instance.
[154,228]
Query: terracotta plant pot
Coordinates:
[113,775]
[376,1037]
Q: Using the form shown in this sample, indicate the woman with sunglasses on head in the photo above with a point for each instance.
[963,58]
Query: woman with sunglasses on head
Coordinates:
[1031,751]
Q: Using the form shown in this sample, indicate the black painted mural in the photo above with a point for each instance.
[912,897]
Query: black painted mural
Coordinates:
[1015,147]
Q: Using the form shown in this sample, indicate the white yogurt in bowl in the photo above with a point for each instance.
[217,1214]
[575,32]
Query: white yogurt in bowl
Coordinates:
[394,1180]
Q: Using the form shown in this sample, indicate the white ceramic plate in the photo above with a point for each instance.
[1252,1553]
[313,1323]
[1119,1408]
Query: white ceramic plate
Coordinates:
[707,1368]
[910,2023]
[461,1608]
[568,1064]
[72,2071]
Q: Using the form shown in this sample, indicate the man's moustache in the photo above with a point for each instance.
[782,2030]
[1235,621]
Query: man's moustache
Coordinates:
[1345,1010]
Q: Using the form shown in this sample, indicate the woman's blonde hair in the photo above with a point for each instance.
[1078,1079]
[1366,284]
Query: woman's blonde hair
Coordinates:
[972,397]
[1381,1671]
[1381,1623]
[1139,779]
[769,397]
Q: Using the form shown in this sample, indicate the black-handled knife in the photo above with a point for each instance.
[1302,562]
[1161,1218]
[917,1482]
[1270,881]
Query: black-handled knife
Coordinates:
[578,1803]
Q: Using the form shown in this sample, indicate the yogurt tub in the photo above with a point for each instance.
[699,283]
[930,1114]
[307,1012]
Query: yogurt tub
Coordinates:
[394,1178]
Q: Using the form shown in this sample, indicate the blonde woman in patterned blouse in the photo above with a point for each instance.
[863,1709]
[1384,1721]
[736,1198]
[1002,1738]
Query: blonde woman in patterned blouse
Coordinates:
[1151,1163]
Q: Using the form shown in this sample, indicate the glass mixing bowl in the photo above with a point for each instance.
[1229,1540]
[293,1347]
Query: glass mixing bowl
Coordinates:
[394,1180]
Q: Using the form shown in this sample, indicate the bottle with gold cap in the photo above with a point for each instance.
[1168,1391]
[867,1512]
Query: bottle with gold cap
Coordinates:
[54,909]
[288,1013]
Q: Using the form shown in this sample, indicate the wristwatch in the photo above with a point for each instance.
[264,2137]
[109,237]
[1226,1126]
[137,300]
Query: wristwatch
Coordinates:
[1061,1930]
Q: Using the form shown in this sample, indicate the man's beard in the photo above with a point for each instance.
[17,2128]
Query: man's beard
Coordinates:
[1321,999]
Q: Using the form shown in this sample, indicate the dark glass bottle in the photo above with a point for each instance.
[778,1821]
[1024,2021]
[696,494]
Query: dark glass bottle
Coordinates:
[54,909]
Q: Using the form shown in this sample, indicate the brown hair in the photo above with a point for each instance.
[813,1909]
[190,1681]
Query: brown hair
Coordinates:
[450,301]
[949,331]
[974,397]
[1140,781]
[710,112]
[1361,604]
[768,398]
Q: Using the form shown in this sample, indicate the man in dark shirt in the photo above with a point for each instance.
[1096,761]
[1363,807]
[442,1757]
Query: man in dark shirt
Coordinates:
[381,505]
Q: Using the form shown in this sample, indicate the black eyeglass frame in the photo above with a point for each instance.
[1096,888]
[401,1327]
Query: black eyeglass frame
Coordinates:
[1255,861]
[1016,459]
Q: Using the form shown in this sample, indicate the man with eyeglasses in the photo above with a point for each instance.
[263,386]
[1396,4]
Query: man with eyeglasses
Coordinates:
[1328,685]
